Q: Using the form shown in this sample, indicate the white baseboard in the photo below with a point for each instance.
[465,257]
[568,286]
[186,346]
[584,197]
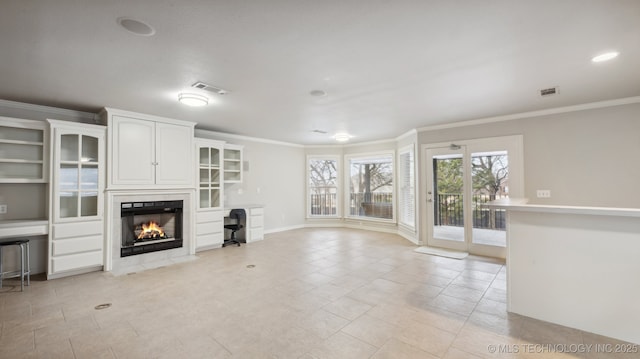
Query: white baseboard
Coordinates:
[282,229]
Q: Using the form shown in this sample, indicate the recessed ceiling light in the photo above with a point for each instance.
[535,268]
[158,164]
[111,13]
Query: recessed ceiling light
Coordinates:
[342,137]
[136,27]
[318,93]
[192,99]
[605,57]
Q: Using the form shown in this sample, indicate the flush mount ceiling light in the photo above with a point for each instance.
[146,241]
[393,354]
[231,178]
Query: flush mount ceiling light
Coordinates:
[605,56]
[192,99]
[136,27]
[342,137]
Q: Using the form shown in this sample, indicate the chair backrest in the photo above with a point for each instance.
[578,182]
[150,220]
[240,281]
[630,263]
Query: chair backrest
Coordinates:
[238,214]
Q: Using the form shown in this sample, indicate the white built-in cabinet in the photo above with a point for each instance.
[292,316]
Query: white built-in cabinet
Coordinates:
[232,158]
[23,151]
[209,174]
[255,224]
[149,152]
[76,234]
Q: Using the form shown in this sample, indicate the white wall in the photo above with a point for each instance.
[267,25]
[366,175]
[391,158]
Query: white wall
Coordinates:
[586,158]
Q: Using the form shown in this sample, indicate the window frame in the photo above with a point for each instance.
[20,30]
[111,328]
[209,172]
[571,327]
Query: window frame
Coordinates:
[338,161]
[411,150]
[347,179]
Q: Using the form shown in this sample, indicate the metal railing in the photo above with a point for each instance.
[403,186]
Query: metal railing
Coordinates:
[379,205]
[448,208]
[449,212]
[323,204]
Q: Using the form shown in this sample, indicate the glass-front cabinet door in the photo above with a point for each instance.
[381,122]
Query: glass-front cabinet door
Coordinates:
[78,185]
[209,176]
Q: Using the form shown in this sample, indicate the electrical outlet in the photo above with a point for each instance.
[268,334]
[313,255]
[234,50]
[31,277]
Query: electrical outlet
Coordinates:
[3,208]
[543,193]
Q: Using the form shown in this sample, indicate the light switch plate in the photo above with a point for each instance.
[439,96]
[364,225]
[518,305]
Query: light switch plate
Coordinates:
[3,208]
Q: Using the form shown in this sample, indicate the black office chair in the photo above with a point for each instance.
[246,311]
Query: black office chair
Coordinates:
[238,216]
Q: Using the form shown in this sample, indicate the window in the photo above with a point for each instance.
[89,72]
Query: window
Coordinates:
[371,186]
[406,188]
[322,186]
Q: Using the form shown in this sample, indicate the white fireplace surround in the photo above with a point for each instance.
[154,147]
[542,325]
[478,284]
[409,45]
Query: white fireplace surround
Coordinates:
[113,261]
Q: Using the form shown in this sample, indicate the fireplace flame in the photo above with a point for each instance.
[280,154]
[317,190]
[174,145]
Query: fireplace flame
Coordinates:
[151,230]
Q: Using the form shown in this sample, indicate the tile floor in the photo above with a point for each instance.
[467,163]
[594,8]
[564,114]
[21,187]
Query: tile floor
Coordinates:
[313,293]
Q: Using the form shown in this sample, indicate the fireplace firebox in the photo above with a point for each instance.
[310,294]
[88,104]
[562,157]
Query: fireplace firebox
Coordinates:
[150,227]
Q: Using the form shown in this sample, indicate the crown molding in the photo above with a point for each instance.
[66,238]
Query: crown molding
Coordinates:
[411,132]
[206,133]
[551,111]
[48,110]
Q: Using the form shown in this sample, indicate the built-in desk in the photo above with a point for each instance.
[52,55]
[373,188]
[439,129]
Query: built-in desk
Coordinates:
[14,229]
[575,266]
[23,228]
[254,228]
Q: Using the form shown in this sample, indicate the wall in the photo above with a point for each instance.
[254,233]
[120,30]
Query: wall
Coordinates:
[586,158]
[273,177]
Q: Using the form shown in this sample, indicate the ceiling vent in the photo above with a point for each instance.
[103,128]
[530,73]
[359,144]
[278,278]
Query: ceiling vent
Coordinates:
[549,91]
[319,131]
[202,86]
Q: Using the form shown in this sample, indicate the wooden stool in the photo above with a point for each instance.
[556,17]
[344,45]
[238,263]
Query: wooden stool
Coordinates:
[24,257]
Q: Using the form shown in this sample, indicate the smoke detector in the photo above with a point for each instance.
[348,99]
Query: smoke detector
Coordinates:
[203,86]
[549,91]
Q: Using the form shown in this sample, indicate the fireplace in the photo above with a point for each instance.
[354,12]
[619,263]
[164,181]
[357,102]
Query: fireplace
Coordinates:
[150,226]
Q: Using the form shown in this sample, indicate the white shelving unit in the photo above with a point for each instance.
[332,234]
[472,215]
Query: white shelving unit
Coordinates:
[232,163]
[23,151]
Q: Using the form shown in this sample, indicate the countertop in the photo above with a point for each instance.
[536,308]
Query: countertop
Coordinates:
[522,205]
[23,228]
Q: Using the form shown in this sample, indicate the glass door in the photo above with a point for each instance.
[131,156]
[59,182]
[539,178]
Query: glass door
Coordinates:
[446,199]
[490,181]
[461,180]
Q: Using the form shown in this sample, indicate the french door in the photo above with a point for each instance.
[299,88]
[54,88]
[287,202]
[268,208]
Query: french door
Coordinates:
[461,178]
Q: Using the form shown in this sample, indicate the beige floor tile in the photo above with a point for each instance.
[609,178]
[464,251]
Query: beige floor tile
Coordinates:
[455,353]
[347,308]
[494,307]
[395,349]
[498,295]
[371,330]
[472,283]
[468,294]
[313,293]
[442,319]
[485,344]
[430,339]
[478,275]
[342,346]
[453,304]
[323,323]
[508,325]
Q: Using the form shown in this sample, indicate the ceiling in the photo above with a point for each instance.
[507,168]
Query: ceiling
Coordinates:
[387,66]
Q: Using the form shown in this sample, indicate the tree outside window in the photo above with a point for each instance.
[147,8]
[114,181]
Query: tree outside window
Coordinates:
[371,186]
[323,187]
